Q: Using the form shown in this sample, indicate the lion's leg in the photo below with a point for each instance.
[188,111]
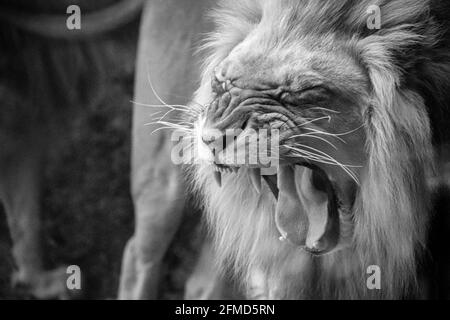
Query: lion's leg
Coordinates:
[19,190]
[155,181]
[158,212]
[20,177]
[159,202]
[168,34]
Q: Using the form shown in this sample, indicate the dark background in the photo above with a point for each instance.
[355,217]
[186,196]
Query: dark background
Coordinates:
[86,206]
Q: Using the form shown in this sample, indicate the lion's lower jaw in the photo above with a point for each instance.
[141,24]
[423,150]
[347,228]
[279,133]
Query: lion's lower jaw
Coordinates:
[247,241]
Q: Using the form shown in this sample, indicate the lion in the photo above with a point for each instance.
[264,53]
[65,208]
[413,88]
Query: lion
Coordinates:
[359,114]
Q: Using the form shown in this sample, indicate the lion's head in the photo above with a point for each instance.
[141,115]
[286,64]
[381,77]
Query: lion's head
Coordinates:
[355,144]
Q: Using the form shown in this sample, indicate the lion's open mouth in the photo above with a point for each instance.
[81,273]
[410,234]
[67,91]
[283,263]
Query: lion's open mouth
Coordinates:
[307,209]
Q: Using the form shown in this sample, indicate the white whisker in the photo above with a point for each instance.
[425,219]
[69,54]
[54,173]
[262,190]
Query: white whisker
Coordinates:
[314,120]
[324,109]
[323,156]
[309,135]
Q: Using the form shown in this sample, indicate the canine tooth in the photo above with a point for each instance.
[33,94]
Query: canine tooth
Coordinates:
[255,177]
[218,178]
[224,86]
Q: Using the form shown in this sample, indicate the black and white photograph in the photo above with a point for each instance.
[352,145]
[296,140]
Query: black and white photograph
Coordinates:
[225,155]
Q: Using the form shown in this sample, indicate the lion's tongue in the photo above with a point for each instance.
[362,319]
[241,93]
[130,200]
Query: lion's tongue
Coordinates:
[302,214]
[290,218]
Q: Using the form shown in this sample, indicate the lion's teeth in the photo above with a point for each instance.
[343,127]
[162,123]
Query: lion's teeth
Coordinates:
[218,178]
[255,177]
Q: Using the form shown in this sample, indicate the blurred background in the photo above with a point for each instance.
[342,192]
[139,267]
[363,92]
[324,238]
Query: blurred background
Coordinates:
[86,206]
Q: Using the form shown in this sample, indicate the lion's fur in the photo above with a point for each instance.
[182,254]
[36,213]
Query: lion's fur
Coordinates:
[409,73]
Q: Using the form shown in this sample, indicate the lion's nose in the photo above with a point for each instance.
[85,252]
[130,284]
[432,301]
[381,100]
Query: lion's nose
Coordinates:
[220,86]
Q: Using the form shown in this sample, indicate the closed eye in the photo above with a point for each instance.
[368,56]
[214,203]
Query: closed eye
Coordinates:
[308,95]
